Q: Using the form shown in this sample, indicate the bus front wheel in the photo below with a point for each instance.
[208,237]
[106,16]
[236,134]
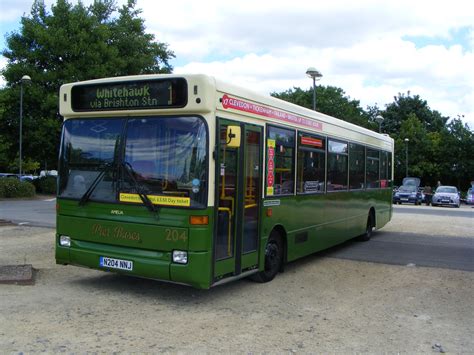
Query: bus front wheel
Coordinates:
[273,259]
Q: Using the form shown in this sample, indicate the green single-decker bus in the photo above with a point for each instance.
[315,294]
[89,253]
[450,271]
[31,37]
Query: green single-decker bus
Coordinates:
[191,180]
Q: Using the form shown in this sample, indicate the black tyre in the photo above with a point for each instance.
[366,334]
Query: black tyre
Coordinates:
[368,230]
[273,259]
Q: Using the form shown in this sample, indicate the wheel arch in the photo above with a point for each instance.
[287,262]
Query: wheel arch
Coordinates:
[281,231]
[372,216]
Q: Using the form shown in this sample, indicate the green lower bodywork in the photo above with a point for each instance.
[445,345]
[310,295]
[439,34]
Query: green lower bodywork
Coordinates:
[136,235]
[307,224]
[311,223]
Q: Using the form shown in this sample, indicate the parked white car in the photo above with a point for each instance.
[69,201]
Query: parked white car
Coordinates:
[446,195]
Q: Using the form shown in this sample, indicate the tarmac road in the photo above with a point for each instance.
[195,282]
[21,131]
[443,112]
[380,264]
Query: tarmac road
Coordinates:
[412,243]
[320,304]
[39,212]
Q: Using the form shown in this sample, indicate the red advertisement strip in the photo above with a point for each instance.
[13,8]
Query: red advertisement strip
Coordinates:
[241,105]
[312,141]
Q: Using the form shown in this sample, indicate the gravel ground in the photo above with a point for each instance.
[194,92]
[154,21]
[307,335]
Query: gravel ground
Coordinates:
[318,305]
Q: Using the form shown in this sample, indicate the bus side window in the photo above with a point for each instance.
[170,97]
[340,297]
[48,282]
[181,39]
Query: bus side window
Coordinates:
[283,141]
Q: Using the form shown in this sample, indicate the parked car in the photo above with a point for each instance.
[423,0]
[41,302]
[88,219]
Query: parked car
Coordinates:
[8,175]
[407,194]
[28,178]
[470,196]
[446,195]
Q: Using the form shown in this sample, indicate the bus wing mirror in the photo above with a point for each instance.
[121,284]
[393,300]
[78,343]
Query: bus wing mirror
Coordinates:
[233,136]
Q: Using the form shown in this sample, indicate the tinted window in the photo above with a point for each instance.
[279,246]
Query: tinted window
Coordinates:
[389,168]
[384,169]
[337,165]
[311,163]
[88,148]
[356,166]
[447,189]
[168,157]
[283,141]
[372,168]
[164,157]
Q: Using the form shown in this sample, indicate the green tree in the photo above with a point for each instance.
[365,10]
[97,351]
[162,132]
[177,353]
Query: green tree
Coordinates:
[405,105]
[70,43]
[458,155]
[413,130]
[28,165]
[438,150]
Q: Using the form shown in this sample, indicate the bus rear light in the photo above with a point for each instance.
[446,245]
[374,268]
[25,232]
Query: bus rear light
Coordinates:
[65,241]
[180,257]
[199,220]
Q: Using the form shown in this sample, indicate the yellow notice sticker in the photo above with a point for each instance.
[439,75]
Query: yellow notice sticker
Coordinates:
[269,191]
[271,143]
[157,200]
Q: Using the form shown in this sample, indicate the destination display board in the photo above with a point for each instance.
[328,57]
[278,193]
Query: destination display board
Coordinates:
[130,95]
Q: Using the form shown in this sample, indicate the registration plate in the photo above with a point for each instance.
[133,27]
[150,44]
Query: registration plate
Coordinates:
[116,263]
[404,199]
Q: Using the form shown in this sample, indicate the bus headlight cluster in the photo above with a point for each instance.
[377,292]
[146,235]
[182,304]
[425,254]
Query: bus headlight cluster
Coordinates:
[65,241]
[180,257]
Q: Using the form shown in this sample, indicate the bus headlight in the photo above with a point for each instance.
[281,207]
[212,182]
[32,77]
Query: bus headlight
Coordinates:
[65,241]
[180,257]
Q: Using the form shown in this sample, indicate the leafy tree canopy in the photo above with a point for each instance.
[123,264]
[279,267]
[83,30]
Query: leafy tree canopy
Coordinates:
[438,149]
[69,43]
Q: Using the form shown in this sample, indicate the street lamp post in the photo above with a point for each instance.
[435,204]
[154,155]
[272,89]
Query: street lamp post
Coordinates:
[379,119]
[316,75]
[25,79]
[406,156]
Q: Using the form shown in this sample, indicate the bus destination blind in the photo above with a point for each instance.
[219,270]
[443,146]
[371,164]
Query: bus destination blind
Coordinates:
[130,95]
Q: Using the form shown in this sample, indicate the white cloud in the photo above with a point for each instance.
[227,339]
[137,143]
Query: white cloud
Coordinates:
[367,48]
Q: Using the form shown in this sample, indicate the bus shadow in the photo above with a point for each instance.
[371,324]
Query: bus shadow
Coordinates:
[184,295]
[110,283]
[332,252]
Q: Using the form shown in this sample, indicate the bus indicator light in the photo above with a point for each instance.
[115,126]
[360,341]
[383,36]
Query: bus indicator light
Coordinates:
[199,220]
[269,212]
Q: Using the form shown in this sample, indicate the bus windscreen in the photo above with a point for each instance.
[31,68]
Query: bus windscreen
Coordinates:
[130,95]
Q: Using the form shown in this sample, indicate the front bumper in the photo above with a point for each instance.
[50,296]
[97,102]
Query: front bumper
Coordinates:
[146,264]
[406,199]
[445,201]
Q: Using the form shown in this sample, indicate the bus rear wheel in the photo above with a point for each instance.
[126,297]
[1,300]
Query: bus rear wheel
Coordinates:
[368,230]
[273,259]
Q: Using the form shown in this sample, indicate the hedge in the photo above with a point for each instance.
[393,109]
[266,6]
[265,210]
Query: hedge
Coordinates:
[46,185]
[13,187]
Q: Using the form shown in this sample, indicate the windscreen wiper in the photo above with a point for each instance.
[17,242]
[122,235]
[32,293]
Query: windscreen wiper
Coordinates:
[94,184]
[139,189]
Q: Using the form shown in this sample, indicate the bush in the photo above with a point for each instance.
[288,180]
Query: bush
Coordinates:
[13,187]
[46,184]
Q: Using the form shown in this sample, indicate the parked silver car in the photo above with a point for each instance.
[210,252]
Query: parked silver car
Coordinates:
[446,195]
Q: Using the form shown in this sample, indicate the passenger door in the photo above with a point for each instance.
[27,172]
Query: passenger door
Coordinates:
[238,199]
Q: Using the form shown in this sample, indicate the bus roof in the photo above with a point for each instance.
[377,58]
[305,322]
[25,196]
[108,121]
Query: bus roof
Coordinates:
[297,110]
[217,95]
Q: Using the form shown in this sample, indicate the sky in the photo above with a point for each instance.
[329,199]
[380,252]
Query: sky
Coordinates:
[372,49]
